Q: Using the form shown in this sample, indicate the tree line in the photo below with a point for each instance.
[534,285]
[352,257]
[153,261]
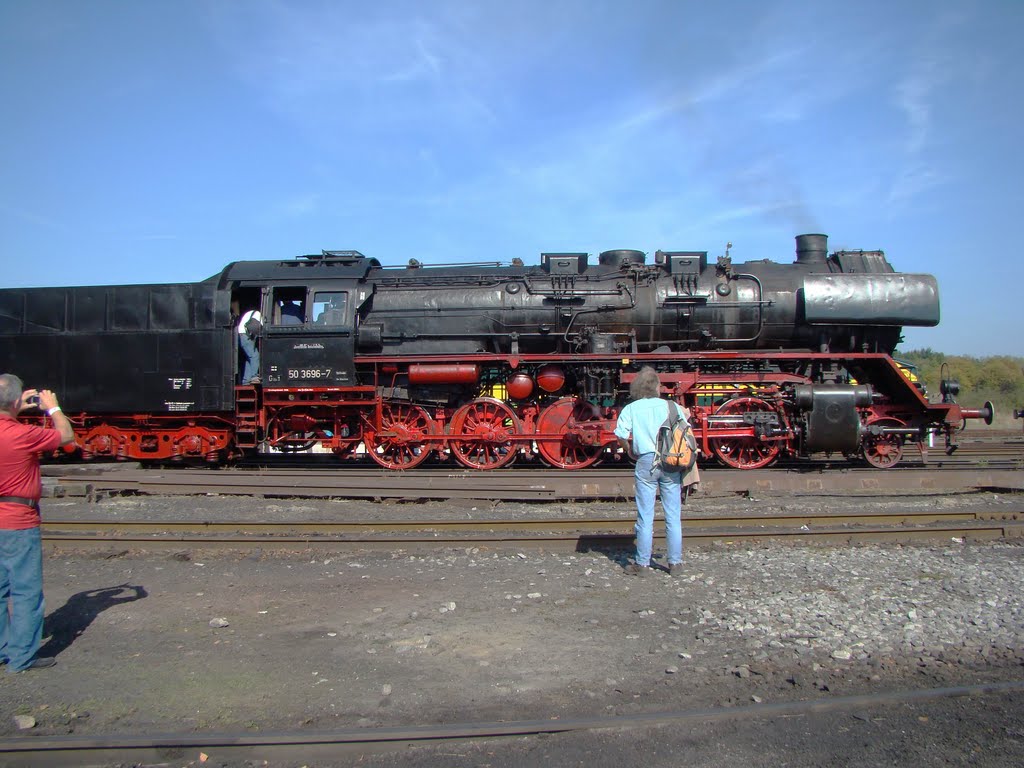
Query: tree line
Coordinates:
[999,379]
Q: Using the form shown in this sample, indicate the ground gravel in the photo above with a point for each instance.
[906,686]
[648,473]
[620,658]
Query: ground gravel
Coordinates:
[252,641]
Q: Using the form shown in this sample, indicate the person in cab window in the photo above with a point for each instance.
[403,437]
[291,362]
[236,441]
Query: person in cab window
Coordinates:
[248,341]
[291,313]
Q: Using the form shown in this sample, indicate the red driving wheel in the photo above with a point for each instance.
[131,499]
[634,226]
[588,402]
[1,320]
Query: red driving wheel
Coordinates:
[744,452]
[569,450]
[401,442]
[480,434]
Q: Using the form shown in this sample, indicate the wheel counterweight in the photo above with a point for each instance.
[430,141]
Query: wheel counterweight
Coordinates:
[570,450]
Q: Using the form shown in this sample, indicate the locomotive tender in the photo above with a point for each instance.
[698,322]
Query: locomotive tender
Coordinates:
[483,363]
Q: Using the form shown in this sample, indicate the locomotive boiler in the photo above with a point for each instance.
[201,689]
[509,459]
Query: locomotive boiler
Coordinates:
[487,363]
[848,302]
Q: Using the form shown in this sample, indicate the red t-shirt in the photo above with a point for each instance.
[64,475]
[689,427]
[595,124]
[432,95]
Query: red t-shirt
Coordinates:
[20,445]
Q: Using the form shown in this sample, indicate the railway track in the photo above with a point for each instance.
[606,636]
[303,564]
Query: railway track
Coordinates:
[560,534]
[511,484]
[527,485]
[350,744]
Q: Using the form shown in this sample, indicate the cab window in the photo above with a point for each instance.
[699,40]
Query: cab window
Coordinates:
[329,307]
[289,306]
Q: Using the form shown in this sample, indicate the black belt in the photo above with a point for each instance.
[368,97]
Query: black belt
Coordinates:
[34,503]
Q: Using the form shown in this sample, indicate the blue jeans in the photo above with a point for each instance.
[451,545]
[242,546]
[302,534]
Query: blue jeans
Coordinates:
[252,357]
[21,588]
[648,482]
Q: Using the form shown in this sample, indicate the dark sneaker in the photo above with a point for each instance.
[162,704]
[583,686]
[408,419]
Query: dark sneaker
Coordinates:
[40,662]
[635,570]
[675,569]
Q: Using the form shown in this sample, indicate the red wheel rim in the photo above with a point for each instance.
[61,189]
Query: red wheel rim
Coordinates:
[481,432]
[883,451]
[401,442]
[567,451]
[744,452]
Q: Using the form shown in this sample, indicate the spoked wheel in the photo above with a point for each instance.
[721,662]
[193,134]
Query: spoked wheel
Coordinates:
[744,452]
[570,451]
[401,442]
[481,432]
[883,451]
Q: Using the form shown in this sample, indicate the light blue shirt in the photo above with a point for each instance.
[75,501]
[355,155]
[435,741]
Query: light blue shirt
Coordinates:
[642,419]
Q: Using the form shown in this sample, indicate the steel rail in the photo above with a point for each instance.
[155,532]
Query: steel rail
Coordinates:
[58,751]
[508,485]
[335,527]
[561,541]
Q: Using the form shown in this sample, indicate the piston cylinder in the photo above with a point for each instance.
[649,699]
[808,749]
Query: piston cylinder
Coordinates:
[833,423]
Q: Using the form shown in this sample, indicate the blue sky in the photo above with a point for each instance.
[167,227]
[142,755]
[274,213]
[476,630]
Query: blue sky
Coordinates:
[156,141]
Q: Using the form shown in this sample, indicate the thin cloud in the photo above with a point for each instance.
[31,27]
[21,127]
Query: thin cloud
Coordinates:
[425,65]
[358,67]
[912,96]
[300,206]
[711,89]
[30,216]
[933,67]
[913,181]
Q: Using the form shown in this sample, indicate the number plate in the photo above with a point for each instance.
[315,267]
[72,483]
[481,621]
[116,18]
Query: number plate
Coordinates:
[310,374]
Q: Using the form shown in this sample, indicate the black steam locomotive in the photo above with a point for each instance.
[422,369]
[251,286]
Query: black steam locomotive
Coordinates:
[486,363]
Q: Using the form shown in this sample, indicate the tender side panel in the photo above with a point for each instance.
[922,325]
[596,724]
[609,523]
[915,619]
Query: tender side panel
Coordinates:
[161,349]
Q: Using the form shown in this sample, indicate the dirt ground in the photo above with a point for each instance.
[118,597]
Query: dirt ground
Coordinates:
[252,642]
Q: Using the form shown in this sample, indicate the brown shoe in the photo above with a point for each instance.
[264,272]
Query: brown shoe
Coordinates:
[675,569]
[635,570]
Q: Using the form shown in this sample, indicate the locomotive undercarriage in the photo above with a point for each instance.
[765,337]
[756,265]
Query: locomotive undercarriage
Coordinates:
[748,411]
[146,437]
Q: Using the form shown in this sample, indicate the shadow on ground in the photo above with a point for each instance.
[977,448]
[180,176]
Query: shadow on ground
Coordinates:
[67,623]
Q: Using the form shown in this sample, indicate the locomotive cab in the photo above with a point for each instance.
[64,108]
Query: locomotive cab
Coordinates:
[309,339]
[309,308]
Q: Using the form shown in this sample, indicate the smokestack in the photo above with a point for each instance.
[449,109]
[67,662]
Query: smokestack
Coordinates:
[811,249]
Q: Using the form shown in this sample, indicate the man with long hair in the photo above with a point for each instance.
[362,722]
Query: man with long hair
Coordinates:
[637,429]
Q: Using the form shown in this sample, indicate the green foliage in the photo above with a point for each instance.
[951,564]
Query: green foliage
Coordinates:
[999,379]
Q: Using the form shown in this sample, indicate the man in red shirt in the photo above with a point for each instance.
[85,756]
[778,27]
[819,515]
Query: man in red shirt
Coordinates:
[21,549]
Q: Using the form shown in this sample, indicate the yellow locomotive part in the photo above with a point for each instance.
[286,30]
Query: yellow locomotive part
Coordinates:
[909,372]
